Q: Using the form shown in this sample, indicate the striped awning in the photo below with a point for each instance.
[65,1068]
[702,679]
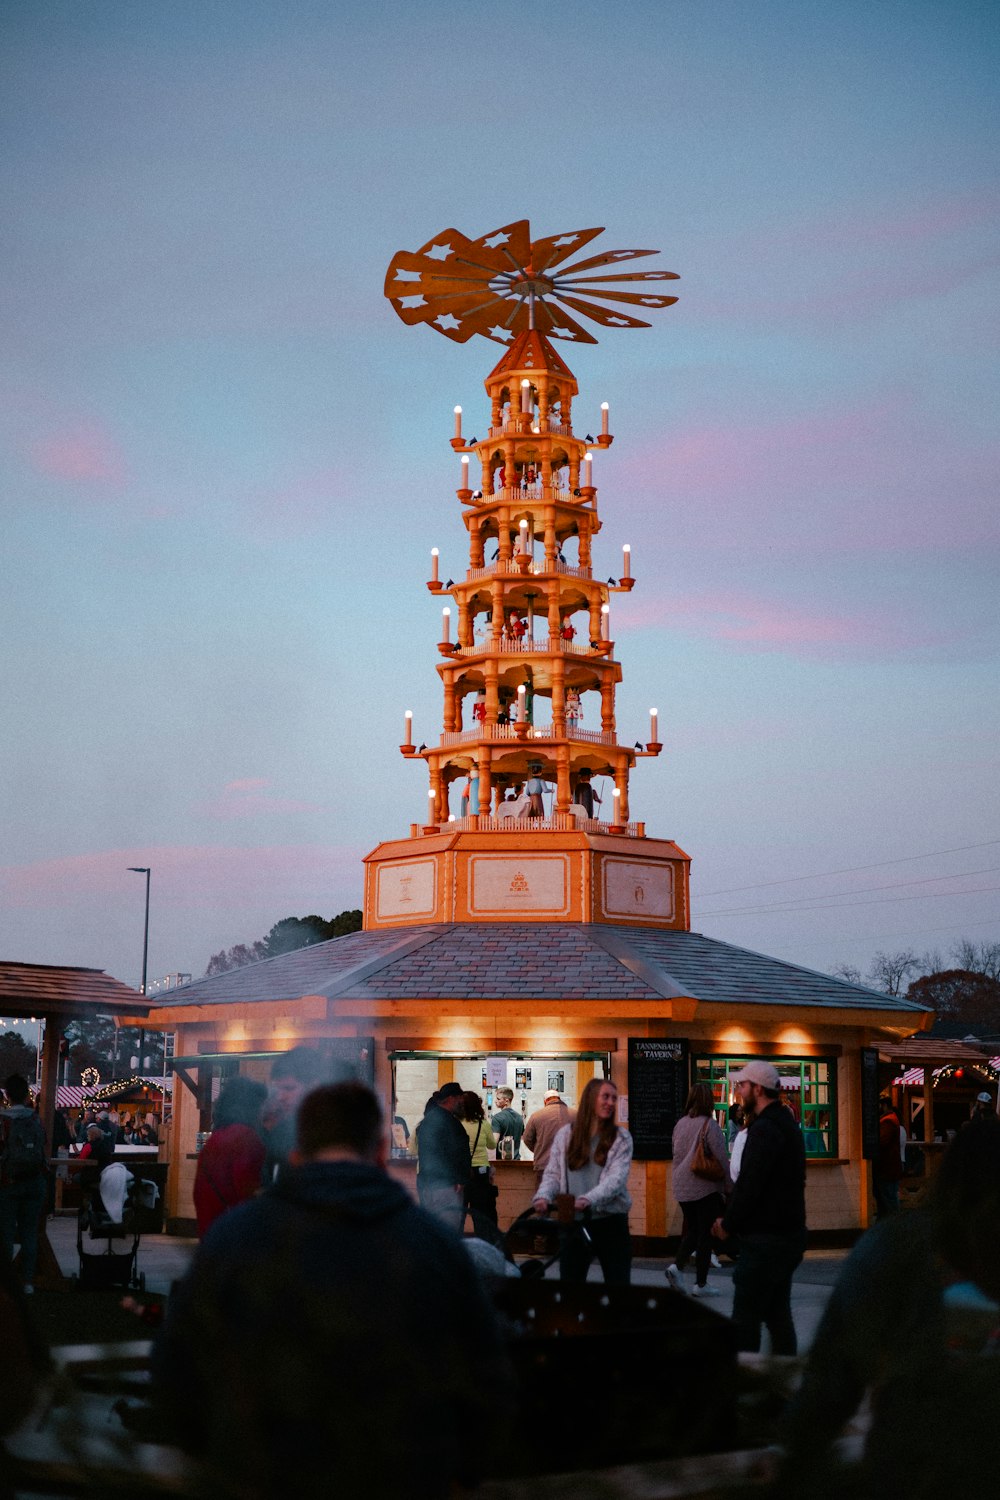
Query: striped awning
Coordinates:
[914,1077]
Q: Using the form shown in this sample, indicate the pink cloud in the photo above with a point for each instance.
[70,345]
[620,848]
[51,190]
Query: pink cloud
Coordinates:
[184,877]
[84,454]
[871,477]
[917,225]
[855,264]
[249,798]
[761,624]
[303,503]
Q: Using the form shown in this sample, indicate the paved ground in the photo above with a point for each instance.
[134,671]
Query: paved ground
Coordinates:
[163,1258]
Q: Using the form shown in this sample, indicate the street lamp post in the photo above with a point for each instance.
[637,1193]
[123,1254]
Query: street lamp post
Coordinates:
[143,870]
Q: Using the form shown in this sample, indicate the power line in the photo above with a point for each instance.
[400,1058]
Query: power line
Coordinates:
[761,885]
[793,901]
[787,910]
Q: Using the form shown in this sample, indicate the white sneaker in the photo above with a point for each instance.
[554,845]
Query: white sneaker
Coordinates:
[705,1291]
[716,1263]
[675,1277]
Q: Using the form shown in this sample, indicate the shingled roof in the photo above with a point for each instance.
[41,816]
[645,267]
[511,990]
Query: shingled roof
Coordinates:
[57,989]
[536,961]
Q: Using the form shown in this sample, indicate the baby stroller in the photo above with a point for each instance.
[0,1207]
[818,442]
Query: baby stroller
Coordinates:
[111,1217]
[541,1238]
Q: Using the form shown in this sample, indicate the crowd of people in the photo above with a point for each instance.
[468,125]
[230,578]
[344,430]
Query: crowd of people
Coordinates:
[312,1260]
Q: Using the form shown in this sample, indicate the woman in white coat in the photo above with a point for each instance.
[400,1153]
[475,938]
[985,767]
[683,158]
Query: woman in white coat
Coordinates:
[591,1160]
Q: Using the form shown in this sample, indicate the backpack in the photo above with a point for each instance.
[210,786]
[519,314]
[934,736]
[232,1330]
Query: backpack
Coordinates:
[22,1148]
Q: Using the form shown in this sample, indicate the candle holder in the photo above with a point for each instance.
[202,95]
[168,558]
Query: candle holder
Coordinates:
[654,747]
[435,585]
[407,749]
[521,730]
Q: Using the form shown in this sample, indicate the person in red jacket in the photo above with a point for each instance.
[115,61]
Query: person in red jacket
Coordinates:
[231,1160]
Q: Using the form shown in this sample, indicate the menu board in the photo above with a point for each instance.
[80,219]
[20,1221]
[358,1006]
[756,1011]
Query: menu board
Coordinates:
[869,1102]
[657,1093]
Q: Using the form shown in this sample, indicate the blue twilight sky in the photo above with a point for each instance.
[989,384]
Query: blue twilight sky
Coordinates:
[224,459]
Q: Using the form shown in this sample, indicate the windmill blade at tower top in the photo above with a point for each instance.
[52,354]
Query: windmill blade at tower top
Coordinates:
[490,285]
[510,249]
[557,247]
[610,257]
[560,324]
[641,299]
[620,276]
[606,316]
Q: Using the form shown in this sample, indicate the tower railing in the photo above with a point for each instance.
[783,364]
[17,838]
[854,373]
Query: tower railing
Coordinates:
[505,567]
[555,428]
[527,645]
[450,738]
[555,822]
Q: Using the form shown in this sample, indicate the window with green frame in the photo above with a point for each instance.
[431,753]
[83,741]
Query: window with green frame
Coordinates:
[808,1087]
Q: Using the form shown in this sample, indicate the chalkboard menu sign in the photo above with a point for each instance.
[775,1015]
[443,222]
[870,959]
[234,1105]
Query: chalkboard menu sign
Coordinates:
[657,1092]
[869,1102]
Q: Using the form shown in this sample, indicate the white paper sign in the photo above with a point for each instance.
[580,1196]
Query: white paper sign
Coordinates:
[496,1072]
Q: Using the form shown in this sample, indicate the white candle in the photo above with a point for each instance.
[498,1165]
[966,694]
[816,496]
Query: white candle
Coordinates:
[523,538]
[616,805]
[587,469]
[605,622]
[465,471]
[522,694]
[526,396]
[653,726]
[446,623]
[604,419]
[434,565]
[626,561]
[431,798]
[458,423]
[408,727]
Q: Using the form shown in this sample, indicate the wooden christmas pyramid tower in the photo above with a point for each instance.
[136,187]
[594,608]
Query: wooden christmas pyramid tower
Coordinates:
[516,827]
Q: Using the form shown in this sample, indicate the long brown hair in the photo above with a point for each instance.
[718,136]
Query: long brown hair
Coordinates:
[585,1125]
[472,1106]
[700,1100]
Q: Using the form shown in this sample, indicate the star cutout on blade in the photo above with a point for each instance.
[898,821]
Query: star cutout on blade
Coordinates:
[505,283]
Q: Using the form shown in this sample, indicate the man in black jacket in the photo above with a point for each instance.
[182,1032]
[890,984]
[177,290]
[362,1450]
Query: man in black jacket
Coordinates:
[329,1337]
[767,1211]
[444,1157]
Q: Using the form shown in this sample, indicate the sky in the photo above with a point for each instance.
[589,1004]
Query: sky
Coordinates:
[224,460]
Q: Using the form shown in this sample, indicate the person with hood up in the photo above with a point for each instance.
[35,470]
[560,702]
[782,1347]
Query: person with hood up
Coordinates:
[329,1335]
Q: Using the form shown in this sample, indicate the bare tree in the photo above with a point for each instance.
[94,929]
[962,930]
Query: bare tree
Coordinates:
[978,958]
[888,970]
[850,972]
